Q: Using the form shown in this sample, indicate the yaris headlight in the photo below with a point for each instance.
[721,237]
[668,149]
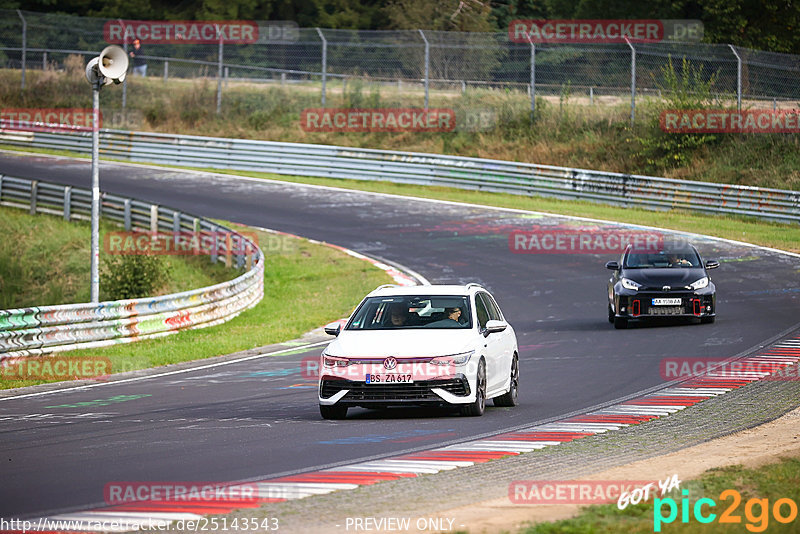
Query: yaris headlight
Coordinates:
[627,283]
[700,284]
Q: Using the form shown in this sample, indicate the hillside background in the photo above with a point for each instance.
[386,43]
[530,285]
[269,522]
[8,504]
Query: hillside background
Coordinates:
[765,25]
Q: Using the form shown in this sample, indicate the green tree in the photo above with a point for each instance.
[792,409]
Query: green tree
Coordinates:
[761,24]
[132,277]
[347,14]
[768,24]
[444,15]
[503,12]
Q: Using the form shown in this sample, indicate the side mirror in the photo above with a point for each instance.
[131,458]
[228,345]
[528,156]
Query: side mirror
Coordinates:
[493,326]
[334,328]
[612,266]
[712,264]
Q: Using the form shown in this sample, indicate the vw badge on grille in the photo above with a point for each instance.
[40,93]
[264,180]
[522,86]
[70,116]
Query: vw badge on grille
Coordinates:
[390,363]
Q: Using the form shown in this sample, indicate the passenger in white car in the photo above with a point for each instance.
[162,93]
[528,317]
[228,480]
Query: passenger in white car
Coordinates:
[449,321]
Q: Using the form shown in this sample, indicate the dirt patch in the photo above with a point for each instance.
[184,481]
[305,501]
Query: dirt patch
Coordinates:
[751,448]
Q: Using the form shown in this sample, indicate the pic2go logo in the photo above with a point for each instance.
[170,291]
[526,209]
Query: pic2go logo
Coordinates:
[756,511]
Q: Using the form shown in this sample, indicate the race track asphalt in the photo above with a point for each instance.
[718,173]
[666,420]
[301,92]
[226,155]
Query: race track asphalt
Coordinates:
[259,418]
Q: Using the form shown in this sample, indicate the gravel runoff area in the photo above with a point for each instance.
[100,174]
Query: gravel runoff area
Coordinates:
[431,496]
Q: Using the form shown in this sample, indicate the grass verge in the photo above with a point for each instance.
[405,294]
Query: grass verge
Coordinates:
[45,261]
[305,285]
[766,484]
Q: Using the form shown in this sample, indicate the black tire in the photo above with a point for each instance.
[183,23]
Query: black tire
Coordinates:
[511,398]
[707,320]
[334,411]
[476,409]
[620,323]
[610,314]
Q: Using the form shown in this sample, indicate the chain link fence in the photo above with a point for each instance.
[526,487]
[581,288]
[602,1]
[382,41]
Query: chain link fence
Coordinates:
[417,60]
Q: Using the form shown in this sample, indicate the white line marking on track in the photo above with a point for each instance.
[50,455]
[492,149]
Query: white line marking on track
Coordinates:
[168,373]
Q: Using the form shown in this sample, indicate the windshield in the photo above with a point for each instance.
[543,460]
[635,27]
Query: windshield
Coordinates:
[403,312]
[686,258]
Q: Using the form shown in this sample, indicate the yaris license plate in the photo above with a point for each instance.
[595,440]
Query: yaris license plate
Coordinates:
[388,378]
[666,302]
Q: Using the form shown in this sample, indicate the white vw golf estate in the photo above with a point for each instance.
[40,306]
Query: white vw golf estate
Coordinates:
[436,344]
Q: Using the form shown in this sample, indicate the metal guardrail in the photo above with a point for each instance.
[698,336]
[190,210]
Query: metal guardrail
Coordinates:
[45,329]
[426,169]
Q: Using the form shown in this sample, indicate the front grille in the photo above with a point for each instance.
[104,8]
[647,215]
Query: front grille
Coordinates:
[379,361]
[659,290]
[418,391]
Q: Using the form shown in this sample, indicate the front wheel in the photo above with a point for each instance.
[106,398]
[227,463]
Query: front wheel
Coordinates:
[334,411]
[511,398]
[477,407]
[610,314]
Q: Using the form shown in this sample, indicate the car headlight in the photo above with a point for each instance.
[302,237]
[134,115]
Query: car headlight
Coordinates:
[334,361]
[700,284]
[629,284]
[454,359]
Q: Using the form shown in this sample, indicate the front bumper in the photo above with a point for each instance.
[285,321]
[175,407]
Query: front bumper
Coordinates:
[635,306]
[452,390]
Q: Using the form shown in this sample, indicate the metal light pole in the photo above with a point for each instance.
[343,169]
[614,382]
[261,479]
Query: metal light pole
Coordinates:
[24,44]
[738,78]
[125,81]
[95,288]
[633,81]
[109,67]
[427,66]
[533,80]
[324,63]
[219,71]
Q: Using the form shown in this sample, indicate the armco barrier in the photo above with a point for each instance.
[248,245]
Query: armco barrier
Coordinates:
[419,168]
[46,329]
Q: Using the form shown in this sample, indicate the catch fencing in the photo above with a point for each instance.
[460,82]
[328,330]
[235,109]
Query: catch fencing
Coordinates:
[424,169]
[47,329]
[421,60]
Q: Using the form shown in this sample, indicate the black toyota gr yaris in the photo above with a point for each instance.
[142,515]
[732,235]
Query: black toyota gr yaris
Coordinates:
[650,285]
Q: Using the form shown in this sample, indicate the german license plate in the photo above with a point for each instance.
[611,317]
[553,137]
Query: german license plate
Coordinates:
[388,378]
[666,302]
